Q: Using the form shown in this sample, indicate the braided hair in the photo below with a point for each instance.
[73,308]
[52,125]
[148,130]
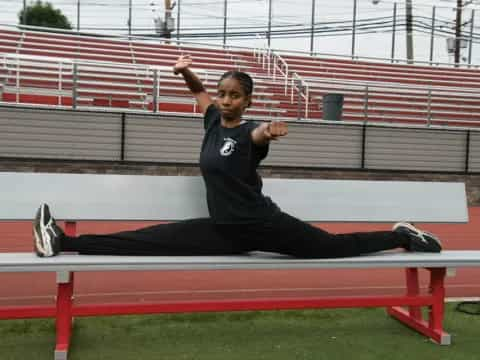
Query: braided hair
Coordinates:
[244,79]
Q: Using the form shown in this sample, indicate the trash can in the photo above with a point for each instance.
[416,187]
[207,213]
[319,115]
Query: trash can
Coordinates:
[332,106]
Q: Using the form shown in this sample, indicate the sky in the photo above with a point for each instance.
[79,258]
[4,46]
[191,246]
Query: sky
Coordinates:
[252,15]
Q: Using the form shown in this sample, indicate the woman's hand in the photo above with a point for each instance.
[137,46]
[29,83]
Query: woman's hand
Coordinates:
[276,129]
[265,132]
[183,62]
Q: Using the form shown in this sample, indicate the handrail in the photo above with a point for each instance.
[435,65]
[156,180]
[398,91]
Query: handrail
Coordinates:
[282,66]
[302,92]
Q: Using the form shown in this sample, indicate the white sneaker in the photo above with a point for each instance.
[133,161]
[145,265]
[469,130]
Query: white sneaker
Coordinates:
[419,240]
[46,232]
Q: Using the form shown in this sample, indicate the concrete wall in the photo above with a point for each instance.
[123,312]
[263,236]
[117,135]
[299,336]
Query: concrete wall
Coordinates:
[67,141]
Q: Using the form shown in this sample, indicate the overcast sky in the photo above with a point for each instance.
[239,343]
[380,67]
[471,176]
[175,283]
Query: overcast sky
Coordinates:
[201,15]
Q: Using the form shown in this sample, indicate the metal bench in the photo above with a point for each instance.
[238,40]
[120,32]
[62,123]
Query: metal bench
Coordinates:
[76,197]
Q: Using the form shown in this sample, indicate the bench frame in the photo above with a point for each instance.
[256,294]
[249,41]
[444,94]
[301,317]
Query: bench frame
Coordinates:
[405,308]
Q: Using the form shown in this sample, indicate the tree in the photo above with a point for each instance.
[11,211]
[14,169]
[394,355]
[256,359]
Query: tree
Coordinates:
[44,15]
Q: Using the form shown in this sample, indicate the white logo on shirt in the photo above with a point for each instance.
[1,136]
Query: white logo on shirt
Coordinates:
[228,147]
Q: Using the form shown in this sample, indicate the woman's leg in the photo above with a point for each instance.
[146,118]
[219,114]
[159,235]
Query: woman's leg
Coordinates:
[288,235]
[189,237]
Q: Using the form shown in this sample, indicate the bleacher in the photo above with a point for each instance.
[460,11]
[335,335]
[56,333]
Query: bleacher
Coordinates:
[119,73]
[393,93]
[68,70]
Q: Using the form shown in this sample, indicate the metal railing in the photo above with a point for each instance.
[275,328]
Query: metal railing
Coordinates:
[81,84]
[424,104]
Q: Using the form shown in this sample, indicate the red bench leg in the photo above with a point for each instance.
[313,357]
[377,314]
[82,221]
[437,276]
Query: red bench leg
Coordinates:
[412,318]
[437,310]
[64,305]
[64,315]
[413,289]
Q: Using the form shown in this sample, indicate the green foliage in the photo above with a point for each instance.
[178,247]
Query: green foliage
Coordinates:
[44,15]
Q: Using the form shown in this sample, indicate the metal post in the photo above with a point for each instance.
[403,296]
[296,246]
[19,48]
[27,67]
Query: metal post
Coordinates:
[299,87]
[409,31]
[365,104]
[225,22]
[392,55]
[122,139]
[78,15]
[269,22]
[74,86]
[155,90]
[471,38]
[60,82]
[432,36]
[467,152]
[178,20]
[312,34]
[354,21]
[364,145]
[129,17]
[429,107]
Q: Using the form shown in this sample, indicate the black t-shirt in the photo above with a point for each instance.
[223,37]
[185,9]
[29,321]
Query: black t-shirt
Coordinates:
[229,161]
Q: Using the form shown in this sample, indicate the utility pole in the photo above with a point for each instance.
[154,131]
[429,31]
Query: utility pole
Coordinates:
[168,16]
[178,21]
[354,25]
[409,39]
[78,15]
[129,17]
[312,31]
[394,28]
[471,38]
[269,31]
[458,32]
[432,34]
[24,14]
[225,8]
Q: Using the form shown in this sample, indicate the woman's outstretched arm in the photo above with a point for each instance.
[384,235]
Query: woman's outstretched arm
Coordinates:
[182,66]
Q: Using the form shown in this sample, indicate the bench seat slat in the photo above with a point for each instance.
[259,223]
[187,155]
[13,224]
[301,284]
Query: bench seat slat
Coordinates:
[28,262]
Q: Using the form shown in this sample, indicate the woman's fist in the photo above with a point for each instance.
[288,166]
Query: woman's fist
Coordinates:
[276,129]
[183,62]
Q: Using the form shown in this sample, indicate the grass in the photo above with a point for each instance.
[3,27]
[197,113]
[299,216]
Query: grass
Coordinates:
[313,334]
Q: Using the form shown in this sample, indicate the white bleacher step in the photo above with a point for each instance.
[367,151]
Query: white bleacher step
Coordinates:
[315,62]
[373,70]
[421,113]
[37,90]
[110,92]
[391,80]
[402,120]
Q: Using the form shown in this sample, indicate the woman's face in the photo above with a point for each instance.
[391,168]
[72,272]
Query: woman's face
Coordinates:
[231,99]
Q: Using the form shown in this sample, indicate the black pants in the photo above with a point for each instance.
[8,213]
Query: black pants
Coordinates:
[282,233]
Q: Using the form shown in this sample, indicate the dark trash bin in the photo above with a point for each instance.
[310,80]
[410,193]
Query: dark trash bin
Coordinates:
[332,106]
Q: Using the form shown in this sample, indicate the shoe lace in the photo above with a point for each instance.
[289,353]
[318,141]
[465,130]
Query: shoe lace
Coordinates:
[52,226]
